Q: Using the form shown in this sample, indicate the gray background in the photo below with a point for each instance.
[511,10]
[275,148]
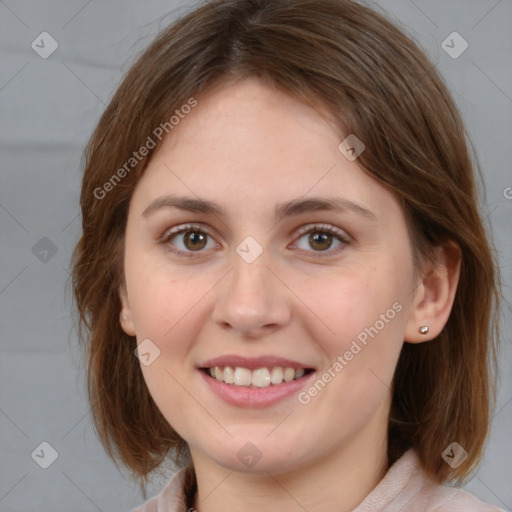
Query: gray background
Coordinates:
[48,110]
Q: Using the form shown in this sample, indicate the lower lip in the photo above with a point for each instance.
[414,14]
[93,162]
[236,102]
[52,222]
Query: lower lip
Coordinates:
[255,397]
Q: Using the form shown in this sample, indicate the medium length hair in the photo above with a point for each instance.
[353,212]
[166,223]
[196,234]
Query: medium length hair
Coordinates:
[378,85]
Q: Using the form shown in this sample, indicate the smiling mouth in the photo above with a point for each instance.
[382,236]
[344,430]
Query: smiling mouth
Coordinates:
[258,378]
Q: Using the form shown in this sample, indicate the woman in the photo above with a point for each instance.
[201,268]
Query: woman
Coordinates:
[283,273]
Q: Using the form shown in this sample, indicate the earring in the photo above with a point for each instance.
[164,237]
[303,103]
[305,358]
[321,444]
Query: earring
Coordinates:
[423,329]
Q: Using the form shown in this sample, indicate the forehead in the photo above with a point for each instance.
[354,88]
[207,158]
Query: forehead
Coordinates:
[247,145]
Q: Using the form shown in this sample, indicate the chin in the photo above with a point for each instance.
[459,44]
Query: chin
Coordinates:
[259,454]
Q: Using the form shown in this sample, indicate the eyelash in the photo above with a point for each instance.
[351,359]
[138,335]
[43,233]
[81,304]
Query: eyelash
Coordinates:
[316,228]
[342,237]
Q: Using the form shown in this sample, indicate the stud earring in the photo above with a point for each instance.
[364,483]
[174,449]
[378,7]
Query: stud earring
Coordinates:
[423,329]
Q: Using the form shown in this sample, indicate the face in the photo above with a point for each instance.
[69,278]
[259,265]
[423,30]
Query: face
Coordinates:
[256,249]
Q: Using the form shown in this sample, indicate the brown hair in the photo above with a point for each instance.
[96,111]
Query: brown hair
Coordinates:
[380,86]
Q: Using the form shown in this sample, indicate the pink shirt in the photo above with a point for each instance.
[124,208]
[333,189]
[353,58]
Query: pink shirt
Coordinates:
[404,488]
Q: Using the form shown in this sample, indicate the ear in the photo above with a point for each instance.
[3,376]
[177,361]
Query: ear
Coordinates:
[125,317]
[434,293]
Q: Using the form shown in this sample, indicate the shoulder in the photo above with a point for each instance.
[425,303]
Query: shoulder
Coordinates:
[407,487]
[451,499]
[150,506]
[170,499]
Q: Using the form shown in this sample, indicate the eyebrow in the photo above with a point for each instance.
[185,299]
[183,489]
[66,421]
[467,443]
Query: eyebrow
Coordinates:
[284,210]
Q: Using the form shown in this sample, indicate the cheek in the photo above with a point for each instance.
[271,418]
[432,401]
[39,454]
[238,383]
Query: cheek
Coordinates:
[161,295]
[169,311]
[359,322]
[352,304]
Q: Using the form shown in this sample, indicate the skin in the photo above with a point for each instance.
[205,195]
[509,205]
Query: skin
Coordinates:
[248,148]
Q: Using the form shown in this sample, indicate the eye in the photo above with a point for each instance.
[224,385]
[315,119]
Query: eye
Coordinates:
[322,239]
[188,239]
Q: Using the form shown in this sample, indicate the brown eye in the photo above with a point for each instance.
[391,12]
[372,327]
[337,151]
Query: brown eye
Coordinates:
[322,238]
[320,241]
[194,240]
[186,240]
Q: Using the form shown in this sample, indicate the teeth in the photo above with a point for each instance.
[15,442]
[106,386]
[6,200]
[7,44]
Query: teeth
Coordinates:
[242,377]
[276,377]
[260,378]
[228,376]
[289,374]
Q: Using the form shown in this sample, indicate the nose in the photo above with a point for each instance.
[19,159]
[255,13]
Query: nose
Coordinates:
[252,301]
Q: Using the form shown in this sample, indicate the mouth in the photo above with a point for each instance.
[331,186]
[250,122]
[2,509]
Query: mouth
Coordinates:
[255,381]
[264,377]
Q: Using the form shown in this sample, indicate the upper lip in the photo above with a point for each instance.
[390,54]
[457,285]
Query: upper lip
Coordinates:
[253,363]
